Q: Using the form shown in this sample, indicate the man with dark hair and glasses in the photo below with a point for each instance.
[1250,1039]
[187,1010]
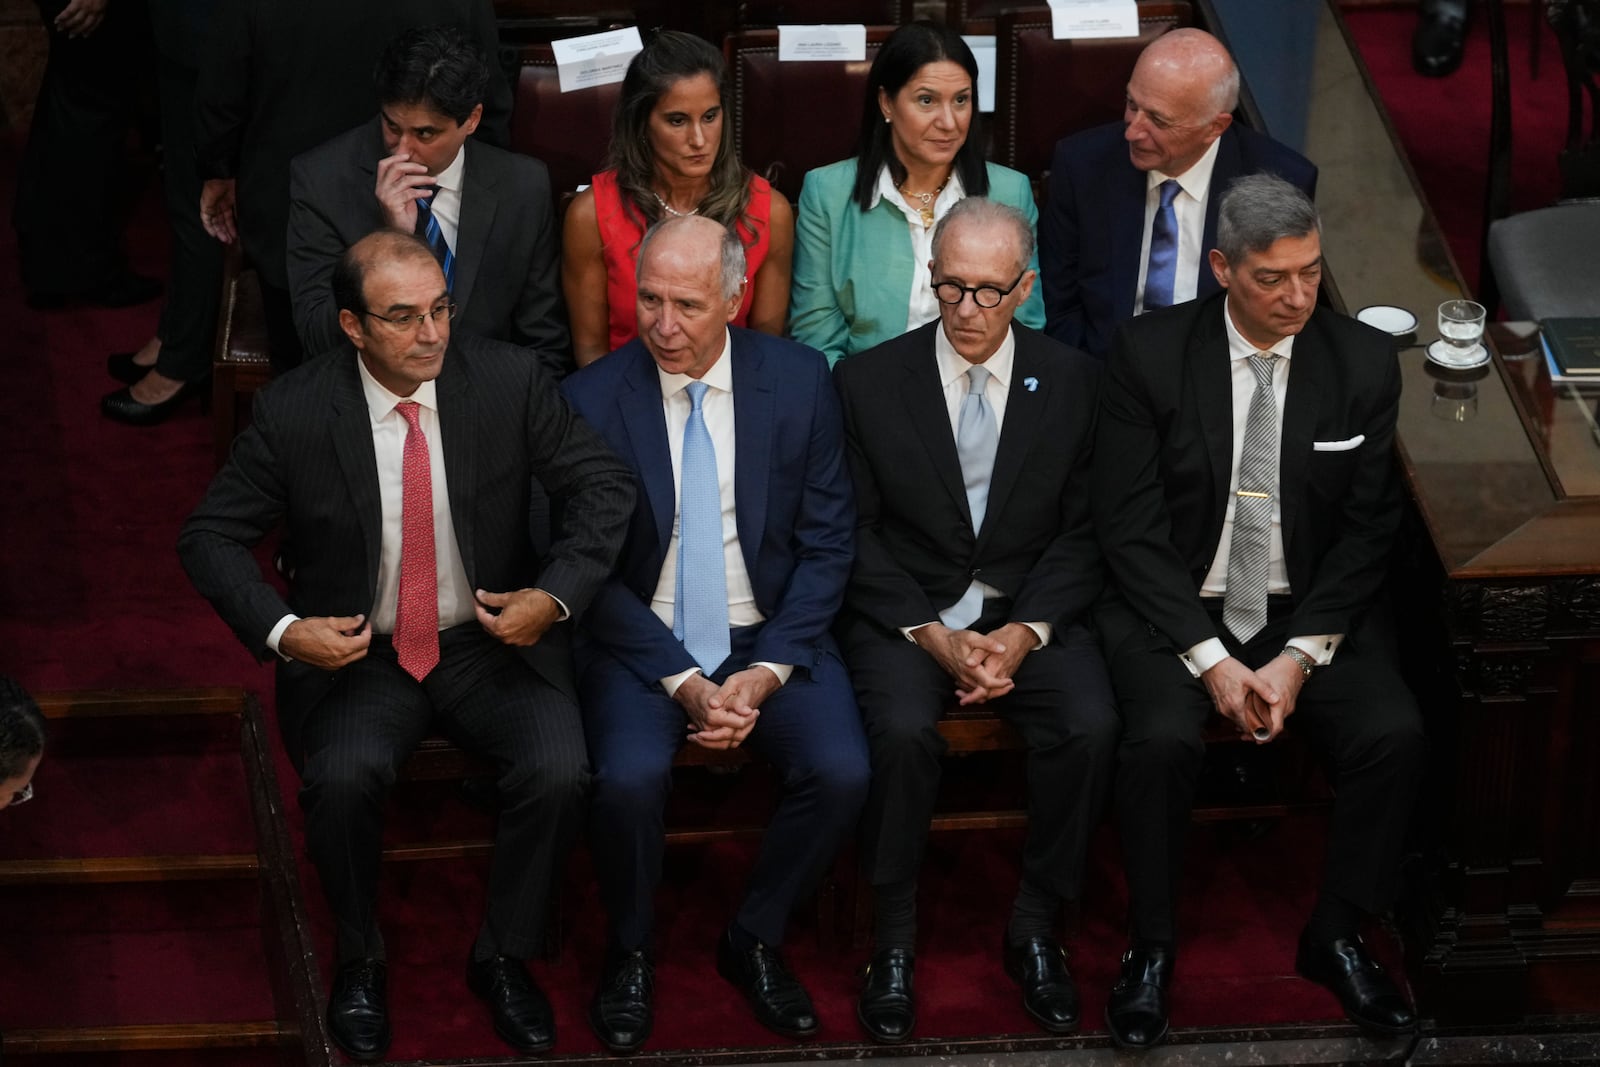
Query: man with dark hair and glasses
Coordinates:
[416,166]
[402,468]
[21,743]
[975,567]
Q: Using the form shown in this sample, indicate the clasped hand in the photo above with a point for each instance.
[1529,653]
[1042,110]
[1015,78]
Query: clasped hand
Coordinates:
[723,716]
[1255,700]
[981,664]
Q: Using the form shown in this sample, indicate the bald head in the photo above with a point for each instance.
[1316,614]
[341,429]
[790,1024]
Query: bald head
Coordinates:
[376,249]
[701,240]
[1180,99]
[690,286]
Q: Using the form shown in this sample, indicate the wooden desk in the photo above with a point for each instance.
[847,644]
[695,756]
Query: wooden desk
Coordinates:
[1498,581]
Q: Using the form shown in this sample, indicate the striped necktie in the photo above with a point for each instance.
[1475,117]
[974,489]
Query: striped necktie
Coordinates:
[428,229]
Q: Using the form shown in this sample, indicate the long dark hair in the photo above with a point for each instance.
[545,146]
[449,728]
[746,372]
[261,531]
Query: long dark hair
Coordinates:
[908,50]
[21,729]
[668,58]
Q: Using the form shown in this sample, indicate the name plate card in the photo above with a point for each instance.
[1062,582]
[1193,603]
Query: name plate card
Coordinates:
[1093,18]
[802,43]
[596,58]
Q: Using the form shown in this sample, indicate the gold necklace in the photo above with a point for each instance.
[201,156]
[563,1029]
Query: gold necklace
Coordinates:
[926,199]
[670,210]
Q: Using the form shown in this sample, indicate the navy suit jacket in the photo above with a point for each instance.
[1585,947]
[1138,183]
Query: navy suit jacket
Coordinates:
[1093,225]
[796,509]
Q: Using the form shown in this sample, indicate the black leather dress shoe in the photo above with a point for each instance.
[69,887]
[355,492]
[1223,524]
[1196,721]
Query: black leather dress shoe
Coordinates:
[1039,966]
[358,1009]
[780,1002]
[620,1012]
[522,1015]
[1369,998]
[1136,1011]
[1440,38]
[120,365]
[122,407]
[887,1008]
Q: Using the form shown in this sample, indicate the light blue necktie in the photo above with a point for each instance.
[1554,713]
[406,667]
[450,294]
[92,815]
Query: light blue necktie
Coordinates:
[428,229]
[1162,274]
[700,618]
[977,437]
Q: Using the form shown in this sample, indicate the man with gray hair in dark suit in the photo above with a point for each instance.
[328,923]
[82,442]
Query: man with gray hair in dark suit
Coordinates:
[401,466]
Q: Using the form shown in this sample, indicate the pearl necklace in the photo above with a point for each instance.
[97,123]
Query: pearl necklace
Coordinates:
[670,210]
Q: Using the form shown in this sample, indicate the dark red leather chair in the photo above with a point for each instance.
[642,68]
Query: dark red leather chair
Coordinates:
[791,117]
[756,13]
[1046,89]
[568,132]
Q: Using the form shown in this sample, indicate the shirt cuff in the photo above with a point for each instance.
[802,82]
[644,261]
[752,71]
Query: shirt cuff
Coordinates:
[911,631]
[565,614]
[1320,647]
[782,670]
[672,681]
[277,635]
[1204,656]
[1041,630]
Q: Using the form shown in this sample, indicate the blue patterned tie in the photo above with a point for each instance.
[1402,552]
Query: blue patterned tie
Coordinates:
[700,620]
[428,229]
[1162,274]
[977,437]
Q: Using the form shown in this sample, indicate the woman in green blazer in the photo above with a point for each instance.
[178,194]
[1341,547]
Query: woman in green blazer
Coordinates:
[864,231]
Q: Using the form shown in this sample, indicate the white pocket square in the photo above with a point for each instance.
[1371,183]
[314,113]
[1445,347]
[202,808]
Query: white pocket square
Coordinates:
[1338,446]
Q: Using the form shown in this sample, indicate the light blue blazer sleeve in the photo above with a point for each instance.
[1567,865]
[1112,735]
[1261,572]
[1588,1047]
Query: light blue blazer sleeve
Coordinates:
[853,269]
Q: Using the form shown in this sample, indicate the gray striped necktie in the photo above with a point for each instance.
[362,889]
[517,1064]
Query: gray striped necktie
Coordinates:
[1249,552]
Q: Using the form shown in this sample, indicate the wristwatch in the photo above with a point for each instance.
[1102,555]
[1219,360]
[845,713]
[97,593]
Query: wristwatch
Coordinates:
[1305,662]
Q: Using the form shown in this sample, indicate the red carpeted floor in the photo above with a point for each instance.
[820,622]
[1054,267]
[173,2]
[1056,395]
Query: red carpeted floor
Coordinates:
[91,596]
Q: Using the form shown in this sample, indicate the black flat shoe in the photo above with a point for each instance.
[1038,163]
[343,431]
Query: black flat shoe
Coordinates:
[120,365]
[1039,966]
[358,1010]
[1370,999]
[780,1002]
[887,1008]
[122,407]
[621,1012]
[519,1008]
[1136,1011]
[1439,42]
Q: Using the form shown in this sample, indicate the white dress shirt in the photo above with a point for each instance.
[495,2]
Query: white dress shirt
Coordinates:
[1208,653]
[922,306]
[389,429]
[717,409]
[953,367]
[1190,208]
[446,203]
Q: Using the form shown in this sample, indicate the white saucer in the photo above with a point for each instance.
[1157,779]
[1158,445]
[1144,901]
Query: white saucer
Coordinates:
[1388,318]
[1439,355]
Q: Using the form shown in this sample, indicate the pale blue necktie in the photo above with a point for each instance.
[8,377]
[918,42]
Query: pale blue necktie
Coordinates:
[428,229]
[977,437]
[1162,274]
[1244,603]
[700,618]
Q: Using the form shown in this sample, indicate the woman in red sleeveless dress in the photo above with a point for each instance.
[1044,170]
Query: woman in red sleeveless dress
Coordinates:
[669,157]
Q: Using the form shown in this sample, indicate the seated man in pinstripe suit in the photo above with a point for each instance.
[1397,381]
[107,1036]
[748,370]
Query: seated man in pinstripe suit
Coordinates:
[402,468]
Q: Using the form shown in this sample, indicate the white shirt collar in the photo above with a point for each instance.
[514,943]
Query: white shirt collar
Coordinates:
[1240,348]
[718,377]
[450,177]
[953,189]
[381,402]
[1195,181]
[953,365]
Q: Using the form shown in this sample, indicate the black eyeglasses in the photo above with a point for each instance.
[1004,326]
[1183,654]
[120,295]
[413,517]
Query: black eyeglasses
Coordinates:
[409,323]
[985,296]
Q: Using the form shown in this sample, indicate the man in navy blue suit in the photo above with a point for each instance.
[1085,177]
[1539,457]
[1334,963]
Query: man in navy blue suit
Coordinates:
[1132,205]
[714,629]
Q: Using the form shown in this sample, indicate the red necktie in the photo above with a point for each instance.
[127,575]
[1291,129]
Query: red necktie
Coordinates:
[416,622]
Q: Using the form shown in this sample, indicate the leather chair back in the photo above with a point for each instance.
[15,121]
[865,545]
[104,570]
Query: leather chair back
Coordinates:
[757,13]
[1046,89]
[568,132]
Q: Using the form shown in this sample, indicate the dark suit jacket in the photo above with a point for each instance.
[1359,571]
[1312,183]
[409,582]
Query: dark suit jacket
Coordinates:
[308,461]
[1093,225]
[282,76]
[508,281]
[796,514]
[916,552]
[1163,458]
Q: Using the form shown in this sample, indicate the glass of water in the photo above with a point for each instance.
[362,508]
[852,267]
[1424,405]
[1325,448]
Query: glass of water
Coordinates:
[1461,328]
